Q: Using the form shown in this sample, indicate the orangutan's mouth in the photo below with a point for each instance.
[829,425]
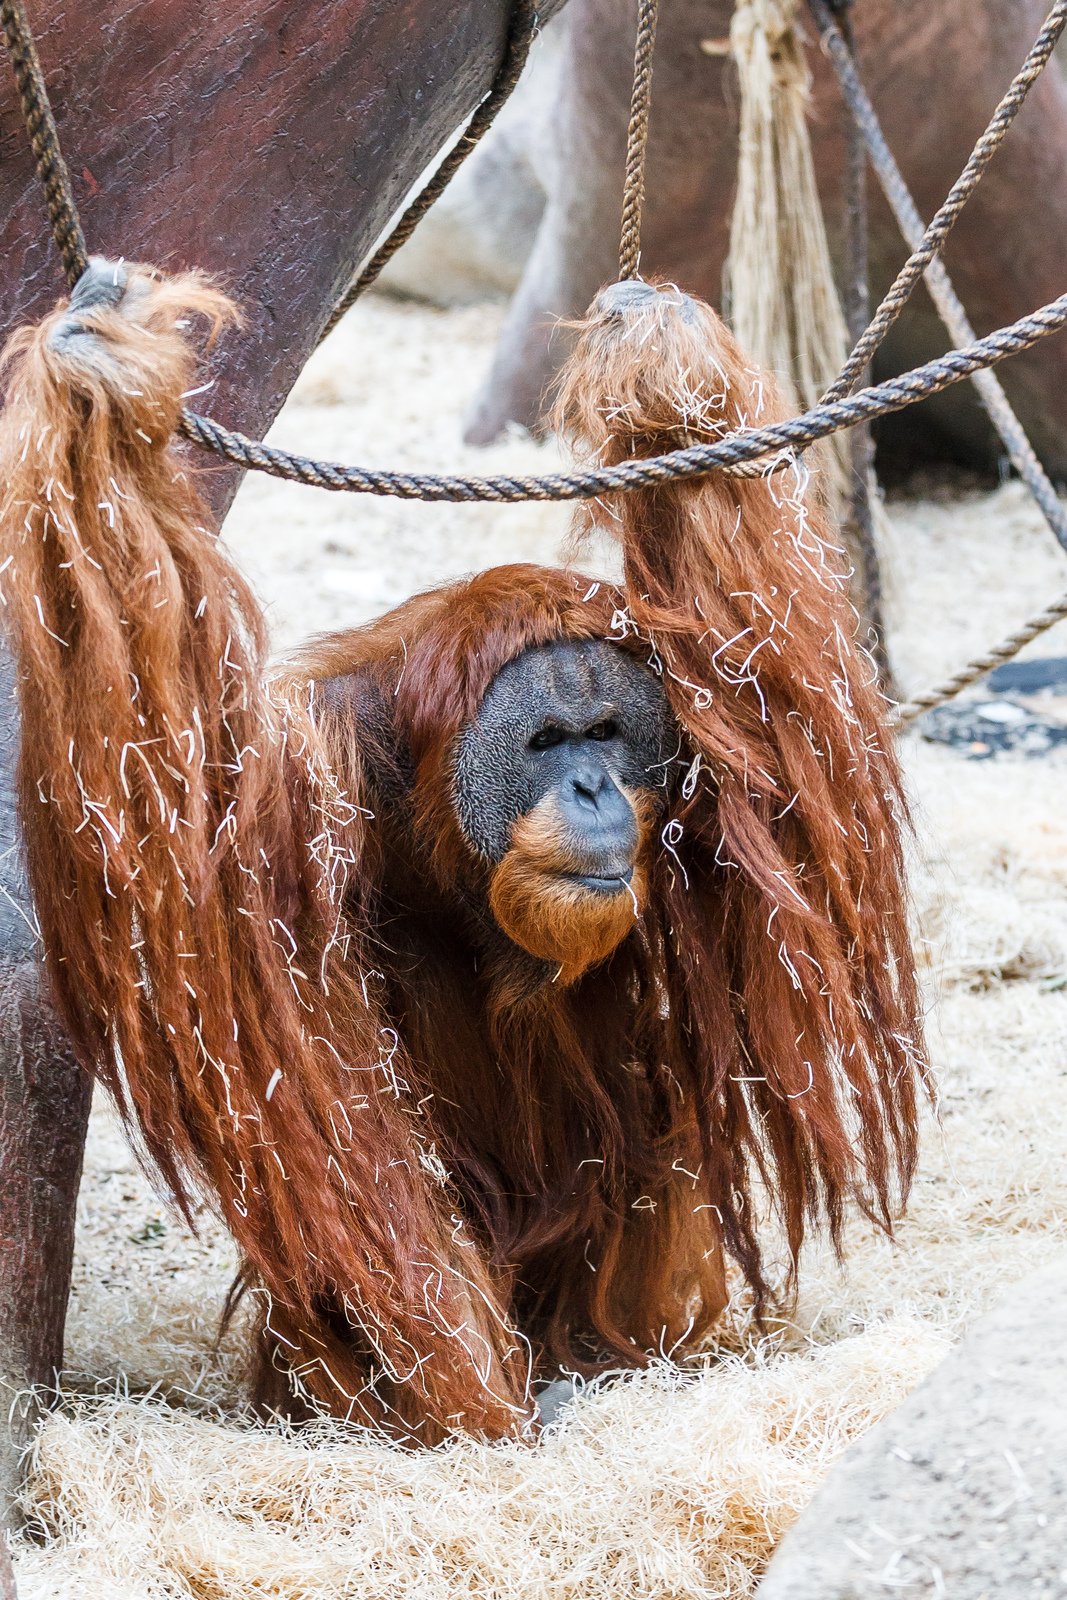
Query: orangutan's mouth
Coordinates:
[609,885]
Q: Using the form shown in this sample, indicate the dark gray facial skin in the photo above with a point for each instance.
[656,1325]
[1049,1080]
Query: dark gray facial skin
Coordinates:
[582,721]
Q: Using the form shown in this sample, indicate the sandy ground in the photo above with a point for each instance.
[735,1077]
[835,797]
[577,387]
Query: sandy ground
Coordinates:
[664,1486]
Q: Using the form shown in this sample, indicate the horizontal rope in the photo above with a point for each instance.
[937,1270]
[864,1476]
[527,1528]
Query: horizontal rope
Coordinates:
[696,461]
[337,477]
[743,448]
[740,451]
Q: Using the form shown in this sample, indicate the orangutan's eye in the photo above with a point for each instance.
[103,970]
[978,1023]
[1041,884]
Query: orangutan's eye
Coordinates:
[545,738]
[602,731]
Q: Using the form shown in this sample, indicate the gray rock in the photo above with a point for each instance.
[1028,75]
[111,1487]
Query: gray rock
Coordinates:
[551,1402]
[962,1492]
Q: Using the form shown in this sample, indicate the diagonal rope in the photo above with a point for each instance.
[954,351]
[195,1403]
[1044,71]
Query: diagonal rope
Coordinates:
[746,446]
[942,292]
[840,408]
[44,140]
[944,219]
[926,245]
[994,657]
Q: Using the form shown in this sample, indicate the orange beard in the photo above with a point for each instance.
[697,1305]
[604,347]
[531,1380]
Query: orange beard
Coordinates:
[545,911]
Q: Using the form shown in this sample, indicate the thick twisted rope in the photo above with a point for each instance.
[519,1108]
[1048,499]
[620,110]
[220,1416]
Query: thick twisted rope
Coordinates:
[746,446]
[523,31]
[696,461]
[44,140]
[947,301]
[839,409]
[995,657]
[246,453]
[633,190]
[944,219]
[926,245]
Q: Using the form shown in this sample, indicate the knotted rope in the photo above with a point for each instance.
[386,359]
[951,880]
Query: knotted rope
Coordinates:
[637,140]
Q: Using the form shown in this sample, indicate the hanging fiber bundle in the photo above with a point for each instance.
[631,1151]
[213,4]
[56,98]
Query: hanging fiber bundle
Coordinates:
[188,852]
[799,994]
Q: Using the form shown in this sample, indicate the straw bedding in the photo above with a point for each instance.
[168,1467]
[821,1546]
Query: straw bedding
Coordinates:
[148,1483]
[658,1487]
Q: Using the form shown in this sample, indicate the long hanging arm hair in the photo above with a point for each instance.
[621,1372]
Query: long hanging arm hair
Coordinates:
[794,1007]
[187,850]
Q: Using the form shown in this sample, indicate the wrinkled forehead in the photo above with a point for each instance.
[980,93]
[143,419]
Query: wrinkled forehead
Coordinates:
[572,683]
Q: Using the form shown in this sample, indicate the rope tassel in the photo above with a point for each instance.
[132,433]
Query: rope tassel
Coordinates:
[780,290]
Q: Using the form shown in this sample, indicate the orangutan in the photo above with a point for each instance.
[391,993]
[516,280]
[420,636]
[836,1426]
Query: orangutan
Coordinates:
[498,965]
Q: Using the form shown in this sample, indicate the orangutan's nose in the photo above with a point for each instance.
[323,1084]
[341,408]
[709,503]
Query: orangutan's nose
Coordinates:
[600,819]
[587,787]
